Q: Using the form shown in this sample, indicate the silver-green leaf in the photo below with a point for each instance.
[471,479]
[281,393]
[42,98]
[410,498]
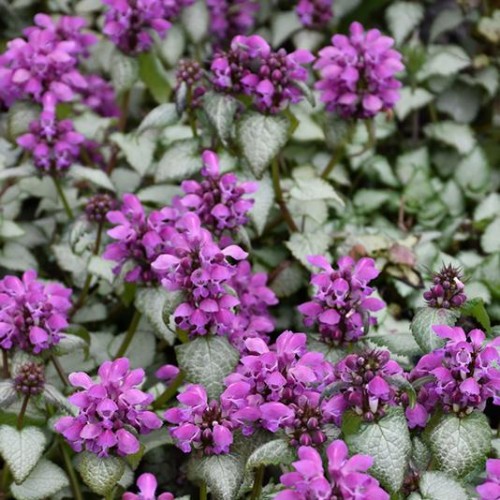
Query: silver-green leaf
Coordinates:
[438,486]
[220,110]
[424,320]
[181,160]
[101,474]
[275,452]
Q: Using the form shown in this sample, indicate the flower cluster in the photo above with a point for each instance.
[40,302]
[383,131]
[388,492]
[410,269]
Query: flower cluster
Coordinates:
[347,478]
[229,18]
[99,96]
[342,299]
[200,424]
[219,200]
[286,382]
[44,66]
[147,484]
[129,23]
[30,379]
[357,73]
[32,314]
[189,74]
[98,207]
[364,385]
[108,410]
[270,78]
[54,144]
[314,14]
[447,290]
[490,489]
[465,373]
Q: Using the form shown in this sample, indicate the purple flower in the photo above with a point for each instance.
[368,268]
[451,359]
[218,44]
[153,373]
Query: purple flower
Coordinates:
[98,206]
[490,489]
[167,373]
[341,303]
[147,484]
[346,476]
[203,425]
[219,200]
[465,375]
[447,290]
[32,314]
[314,14]
[195,264]
[189,74]
[111,411]
[357,73]
[100,97]
[229,18]
[364,385]
[30,378]
[129,23]
[55,145]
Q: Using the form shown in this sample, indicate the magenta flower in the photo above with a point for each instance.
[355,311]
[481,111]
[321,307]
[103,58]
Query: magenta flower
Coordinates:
[490,489]
[147,484]
[167,373]
[32,314]
[314,14]
[447,290]
[219,200]
[347,478]
[55,145]
[98,206]
[364,385]
[341,303]
[205,425]
[99,95]
[465,373]
[357,73]
[111,411]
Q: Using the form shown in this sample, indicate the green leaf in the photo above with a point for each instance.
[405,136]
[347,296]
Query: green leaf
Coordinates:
[420,454]
[475,308]
[275,452]
[461,102]
[288,280]
[303,245]
[488,208]
[20,115]
[438,486]
[403,18]
[181,160]
[412,99]
[157,304]
[196,21]
[158,118]
[21,449]
[124,71]
[473,173]
[9,229]
[94,175]
[220,110]
[7,393]
[55,397]
[424,320]
[284,24]
[459,445]
[456,135]
[207,361]
[444,60]
[101,268]
[45,480]
[261,139]
[402,343]
[138,150]
[489,27]
[490,239]
[100,474]
[223,474]
[264,200]
[388,442]
[311,188]
[154,76]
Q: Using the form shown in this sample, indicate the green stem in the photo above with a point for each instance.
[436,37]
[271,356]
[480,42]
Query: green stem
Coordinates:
[62,197]
[110,495]
[278,194]
[169,392]
[60,370]
[257,483]
[5,479]
[20,417]
[203,491]
[73,479]
[5,364]
[129,335]
[182,335]
[191,116]
[372,139]
[336,157]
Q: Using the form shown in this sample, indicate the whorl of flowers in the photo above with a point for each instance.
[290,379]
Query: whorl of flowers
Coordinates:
[43,67]
[30,379]
[465,375]
[54,144]
[32,314]
[219,199]
[110,411]
[364,385]
[346,477]
[342,301]
[252,68]
[357,73]
[315,14]
[285,382]
[129,23]
[99,95]
[229,18]
[147,485]
[447,289]
[98,207]
[490,489]
[200,424]
[195,264]
[188,77]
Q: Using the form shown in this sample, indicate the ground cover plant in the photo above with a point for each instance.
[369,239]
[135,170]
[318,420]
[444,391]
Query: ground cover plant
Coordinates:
[249,249]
